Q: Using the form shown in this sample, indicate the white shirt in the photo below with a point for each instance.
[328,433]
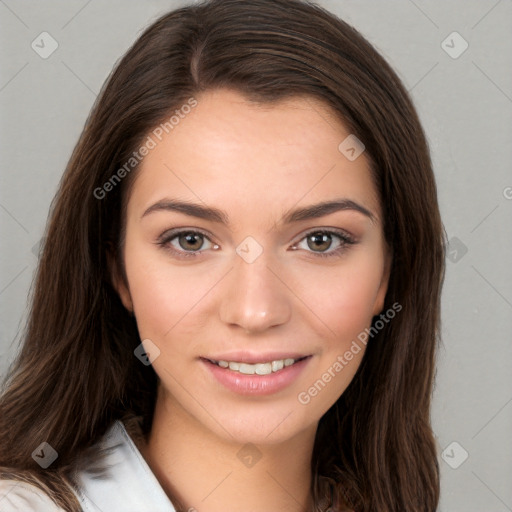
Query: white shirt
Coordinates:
[127,485]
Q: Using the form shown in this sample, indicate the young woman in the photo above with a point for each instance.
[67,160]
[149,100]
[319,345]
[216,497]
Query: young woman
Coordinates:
[237,304]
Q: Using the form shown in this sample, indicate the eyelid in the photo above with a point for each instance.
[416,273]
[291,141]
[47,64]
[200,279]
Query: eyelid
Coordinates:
[173,232]
[342,233]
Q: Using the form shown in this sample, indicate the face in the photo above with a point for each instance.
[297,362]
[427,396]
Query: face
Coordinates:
[252,297]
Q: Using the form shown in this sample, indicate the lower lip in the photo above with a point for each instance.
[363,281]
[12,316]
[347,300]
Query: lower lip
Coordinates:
[256,384]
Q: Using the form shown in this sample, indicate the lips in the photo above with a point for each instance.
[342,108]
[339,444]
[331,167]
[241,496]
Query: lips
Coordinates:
[249,374]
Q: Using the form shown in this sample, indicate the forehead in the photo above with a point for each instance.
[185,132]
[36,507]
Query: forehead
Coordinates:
[228,151]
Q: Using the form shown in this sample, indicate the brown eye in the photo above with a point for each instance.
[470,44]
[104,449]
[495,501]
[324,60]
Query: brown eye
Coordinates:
[186,243]
[319,241]
[326,243]
[190,241]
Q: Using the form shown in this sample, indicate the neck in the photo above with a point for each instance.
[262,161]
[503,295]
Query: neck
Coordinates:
[205,473]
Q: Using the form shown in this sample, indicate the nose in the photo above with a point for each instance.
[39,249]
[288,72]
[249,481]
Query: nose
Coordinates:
[255,298]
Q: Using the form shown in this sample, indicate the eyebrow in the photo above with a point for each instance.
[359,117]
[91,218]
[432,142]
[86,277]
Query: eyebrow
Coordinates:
[299,214]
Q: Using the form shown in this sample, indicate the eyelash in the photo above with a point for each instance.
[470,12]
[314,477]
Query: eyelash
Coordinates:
[164,242]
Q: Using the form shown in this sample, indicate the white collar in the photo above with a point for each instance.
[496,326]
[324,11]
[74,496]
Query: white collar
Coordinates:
[127,484]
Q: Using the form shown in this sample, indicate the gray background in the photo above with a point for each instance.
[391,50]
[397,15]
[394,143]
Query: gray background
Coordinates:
[465,104]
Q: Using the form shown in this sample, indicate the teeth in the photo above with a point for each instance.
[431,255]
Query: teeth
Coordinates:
[264,368]
[258,368]
[277,365]
[248,369]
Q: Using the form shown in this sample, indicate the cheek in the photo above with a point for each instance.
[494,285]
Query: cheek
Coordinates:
[162,294]
[169,299]
[344,300]
[345,307]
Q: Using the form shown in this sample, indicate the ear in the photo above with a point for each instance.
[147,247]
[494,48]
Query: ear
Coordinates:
[383,287]
[118,280]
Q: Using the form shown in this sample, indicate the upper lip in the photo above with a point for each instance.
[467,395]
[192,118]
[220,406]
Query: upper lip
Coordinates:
[253,358]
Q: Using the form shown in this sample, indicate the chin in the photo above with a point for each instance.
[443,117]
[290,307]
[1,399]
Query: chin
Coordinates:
[263,424]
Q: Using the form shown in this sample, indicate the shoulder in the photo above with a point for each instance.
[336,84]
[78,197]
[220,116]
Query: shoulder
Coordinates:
[18,496]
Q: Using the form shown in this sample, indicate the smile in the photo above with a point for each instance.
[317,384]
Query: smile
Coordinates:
[265,368]
[261,376]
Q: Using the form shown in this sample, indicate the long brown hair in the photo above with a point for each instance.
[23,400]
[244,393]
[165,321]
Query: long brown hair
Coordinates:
[76,372]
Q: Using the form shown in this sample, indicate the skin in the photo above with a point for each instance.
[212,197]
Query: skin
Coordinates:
[255,162]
